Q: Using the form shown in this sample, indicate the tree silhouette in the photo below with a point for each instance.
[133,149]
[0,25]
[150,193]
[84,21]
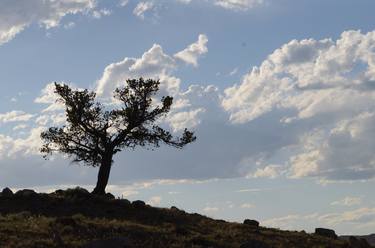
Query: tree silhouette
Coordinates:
[93,133]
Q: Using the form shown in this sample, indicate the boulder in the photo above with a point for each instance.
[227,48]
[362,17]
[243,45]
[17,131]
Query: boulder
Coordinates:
[59,192]
[254,244]
[125,202]
[173,208]
[252,223]
[7,192]
[138,203]
[329,233]
[110,196]
[176,210]
[26,193]
[76,193]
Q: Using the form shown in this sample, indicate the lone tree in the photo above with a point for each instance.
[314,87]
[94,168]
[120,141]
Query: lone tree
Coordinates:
[93,134]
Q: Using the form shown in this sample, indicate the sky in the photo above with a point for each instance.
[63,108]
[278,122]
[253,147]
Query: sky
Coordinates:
[280,94]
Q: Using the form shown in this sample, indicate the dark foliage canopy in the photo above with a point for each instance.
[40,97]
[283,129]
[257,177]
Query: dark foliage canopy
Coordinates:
[94,132]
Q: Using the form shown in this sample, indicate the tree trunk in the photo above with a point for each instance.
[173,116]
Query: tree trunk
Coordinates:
[103,176]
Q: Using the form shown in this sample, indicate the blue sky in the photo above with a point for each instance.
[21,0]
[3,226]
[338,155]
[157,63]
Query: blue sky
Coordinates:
[280,94]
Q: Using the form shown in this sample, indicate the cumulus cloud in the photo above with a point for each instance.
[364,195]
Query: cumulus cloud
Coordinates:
[247,205]
[343,154]
[142,8]
[15,116]
[25,140]
[123,3]
[233,72]
[210,210]
[50,98]
[47,95]
[185,119]
[100,13]
[19,127]
[234,5]
[55,119]
[11,147]
[184,1]
[353,220]
[294,221]
[153,64]
[361,216]
[156,64]
[238,5]
[15,16]
[270,171]
[324,89]
[191,54]
[348,201]
[347,220]
[154,201]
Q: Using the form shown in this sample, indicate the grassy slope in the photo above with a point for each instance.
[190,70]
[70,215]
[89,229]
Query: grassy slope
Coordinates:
[74,218]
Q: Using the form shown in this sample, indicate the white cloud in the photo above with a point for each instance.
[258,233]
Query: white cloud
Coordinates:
[247,205]
[50,98]
[19,127]
[233,72]
[210,210]
[154,201]
[184,1]
[47,95]
[69,25]
[15,16]
[174,192]
[100,13]
[324,90]
[291,221]
[14,147]
[123,3]
[361,216]
[239,5]
[347,220]
[249,190]
[191,54]
[186,119]
[348,201]
[270,171]
[234,5]
[142,8]
[345,153]
[55,119]
[15,116]
[153,64]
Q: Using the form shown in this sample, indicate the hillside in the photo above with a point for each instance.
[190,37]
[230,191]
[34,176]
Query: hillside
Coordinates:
[75,218]
[370,238]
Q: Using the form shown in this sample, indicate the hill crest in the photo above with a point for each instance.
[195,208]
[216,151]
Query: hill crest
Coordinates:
[76,218]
